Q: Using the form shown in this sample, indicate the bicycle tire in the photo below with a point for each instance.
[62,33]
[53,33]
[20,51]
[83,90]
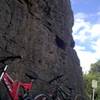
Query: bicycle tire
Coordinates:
[41,96]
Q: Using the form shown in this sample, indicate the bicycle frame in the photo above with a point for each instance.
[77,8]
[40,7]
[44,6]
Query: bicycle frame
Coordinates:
[14,86]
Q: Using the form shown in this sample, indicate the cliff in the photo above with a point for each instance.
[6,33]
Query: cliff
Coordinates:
[41,32]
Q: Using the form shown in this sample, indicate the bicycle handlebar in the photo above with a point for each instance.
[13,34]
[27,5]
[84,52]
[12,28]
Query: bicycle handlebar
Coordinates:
[55,78]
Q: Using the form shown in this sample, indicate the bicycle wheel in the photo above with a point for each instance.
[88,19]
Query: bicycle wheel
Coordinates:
[41,96]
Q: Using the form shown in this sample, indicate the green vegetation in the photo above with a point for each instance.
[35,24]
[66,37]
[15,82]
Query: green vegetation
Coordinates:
[94,74]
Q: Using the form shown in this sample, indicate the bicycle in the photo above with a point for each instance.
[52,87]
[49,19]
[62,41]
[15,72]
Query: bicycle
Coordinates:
[14,86]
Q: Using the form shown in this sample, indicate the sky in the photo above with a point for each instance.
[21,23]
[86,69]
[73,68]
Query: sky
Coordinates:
[86,31]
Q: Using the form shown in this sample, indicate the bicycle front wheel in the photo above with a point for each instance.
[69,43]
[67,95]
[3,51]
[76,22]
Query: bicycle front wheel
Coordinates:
[42,96]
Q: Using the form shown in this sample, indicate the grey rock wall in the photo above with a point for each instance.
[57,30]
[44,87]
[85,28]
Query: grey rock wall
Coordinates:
[40,31]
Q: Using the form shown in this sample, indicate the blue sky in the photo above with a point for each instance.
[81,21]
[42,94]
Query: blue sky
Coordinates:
[86,31]
[87,6]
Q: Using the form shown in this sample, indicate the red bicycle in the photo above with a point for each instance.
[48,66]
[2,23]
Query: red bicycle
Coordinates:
[21,91]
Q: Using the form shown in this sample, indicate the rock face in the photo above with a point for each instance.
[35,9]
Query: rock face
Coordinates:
[40,31]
